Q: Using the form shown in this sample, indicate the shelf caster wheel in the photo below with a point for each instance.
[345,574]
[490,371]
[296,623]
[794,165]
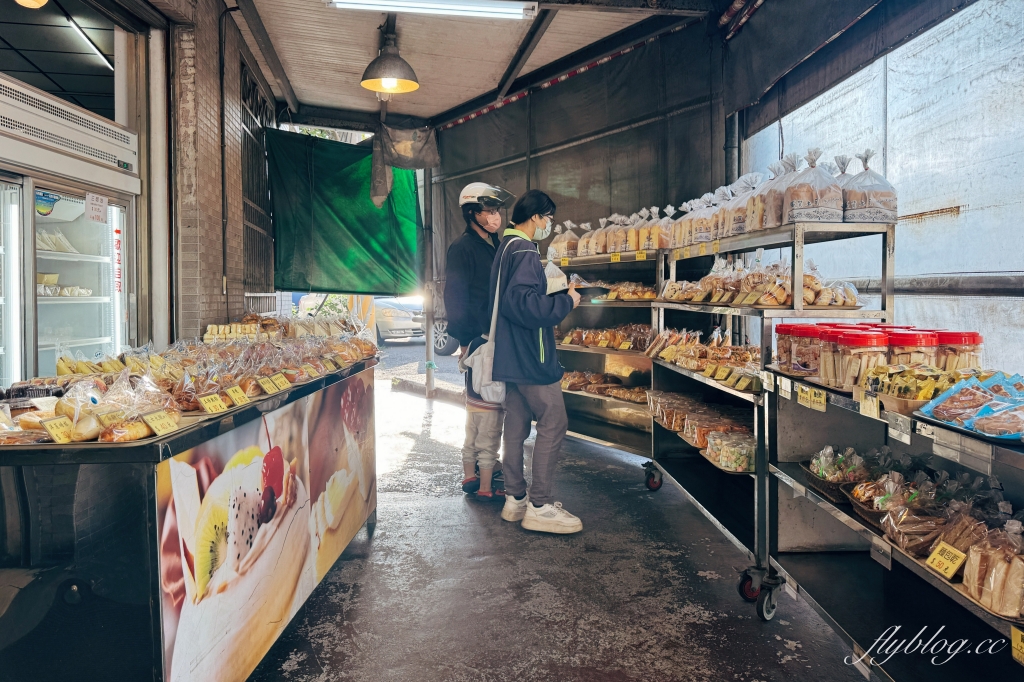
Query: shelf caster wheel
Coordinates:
[746,588]
[653,481]
[766,604]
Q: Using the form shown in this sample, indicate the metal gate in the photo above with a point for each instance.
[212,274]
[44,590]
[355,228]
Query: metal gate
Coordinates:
[257,226]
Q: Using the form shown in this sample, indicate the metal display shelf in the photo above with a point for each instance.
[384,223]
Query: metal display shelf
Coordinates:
[648,255]
[72,299]
[807,233]
[708,381]
[616,402]
[600,303]
[601,351]
[833,312]
[76,343]
[75,257]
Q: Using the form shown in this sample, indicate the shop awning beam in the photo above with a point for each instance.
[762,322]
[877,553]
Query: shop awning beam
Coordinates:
[344,119]
[259,32]
[686,8]
[530,41]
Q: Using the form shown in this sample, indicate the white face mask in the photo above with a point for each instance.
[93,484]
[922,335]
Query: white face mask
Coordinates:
[542,233]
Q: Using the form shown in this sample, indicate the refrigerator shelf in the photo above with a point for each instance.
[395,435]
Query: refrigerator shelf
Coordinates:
[73,299]
[77,343]
[76,257]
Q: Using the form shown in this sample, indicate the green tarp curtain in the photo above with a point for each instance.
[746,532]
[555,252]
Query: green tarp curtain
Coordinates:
[329,237]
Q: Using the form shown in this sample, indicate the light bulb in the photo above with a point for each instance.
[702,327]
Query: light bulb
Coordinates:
[31,4]
[389,83]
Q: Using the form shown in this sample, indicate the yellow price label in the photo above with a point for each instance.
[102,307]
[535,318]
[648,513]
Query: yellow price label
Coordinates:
[613,295]
[331,367]
[602,344]
[1017,644]
[818,399]
[702,250]
[625,345]
[686,252]
[310,370]
[751,298]
[641,254]
[565,385]
[717,297]
[733,379]
[803,395]
[716,246]
[281,381]
[268,385]
[743,384]
[59,428]
[710,370]
[161,422]
[946,560]
[566,340]
[237,395]
[869,405]
[616,258]
[108,418]
[212,403]
[722,373]
[677,254]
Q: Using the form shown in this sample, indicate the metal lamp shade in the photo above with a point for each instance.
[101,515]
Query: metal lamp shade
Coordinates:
[391,68]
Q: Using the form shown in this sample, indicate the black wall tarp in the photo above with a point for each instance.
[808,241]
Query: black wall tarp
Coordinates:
[644,129]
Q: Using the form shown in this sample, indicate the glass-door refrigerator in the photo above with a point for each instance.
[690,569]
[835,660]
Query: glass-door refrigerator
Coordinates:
[80,277]
[11,228]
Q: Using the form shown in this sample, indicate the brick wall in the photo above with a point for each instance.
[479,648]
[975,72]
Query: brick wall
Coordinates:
[197,203]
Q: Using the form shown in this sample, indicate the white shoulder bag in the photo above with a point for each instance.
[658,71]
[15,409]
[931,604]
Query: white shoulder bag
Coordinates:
[482,359]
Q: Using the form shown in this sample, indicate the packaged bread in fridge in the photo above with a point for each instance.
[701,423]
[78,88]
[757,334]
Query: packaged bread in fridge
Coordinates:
[868,197]
[775,197]
[813,195]
[735,220]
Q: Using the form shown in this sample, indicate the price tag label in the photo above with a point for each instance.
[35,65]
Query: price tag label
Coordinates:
[743,384]
[1017,644]
[565,385]
[212,404]
[602,344]
[869,405]
[612,295]
[616,258]
[626,345]
[722,373]
[331,367]
[803,395]
[818,399]
[566,341]
[733,380]
[716,246]
[702,250]
[767,380]
[281,381]
[785,388]
[237,395]
[717,297]
[161,422]
[641,254]
[563,262]
[310,370]
[710,370]
[59,428]
[108,418]
[751,298]
[900,427]
[677,254]
[946,560]
[268,385]
[686,252]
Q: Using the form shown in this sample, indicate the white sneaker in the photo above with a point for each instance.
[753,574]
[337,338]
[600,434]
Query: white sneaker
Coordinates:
[514,510]
[551,518]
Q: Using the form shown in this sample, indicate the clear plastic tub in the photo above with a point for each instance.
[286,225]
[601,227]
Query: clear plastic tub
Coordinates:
[859,352]
[805,359]
[911,347]
[783,345]
[829,363]
[959,350]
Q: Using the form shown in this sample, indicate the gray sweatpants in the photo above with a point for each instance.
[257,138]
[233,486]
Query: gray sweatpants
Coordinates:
[483,437]
[523,404]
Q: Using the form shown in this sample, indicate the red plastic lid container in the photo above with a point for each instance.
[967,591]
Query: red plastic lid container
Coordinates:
[959,338]
[784,329]
[913,338]
[893,326]
[832,335]
[865,339]
[808,331]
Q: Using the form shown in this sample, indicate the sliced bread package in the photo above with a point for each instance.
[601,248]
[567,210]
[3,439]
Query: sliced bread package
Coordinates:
[813,196]
[868,197]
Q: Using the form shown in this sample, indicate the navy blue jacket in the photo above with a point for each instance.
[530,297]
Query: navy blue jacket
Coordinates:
[467,273]
[524,351]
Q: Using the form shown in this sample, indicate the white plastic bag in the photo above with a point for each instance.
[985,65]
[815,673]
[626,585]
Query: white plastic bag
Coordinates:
[842,161]
[813,195]
[723,195]
[775,198]
[557,281]
[755,207]
[702,219]
[736,208]
[570,240]
[583,248]
[868,197]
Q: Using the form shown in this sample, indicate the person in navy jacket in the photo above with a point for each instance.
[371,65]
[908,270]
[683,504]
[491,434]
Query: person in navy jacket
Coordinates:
[525,358]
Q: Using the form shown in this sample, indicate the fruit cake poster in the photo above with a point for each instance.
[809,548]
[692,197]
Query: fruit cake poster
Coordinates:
[251,521]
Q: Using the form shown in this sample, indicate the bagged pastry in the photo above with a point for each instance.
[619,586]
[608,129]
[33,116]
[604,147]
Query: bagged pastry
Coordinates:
[583,248]
[682,228]
[755,202]
[813,195]
[868,197]
[599,241]
[570,241]
[723,195]
[702,219]
[994,571]
[557,281]
[736,208]
[775,197]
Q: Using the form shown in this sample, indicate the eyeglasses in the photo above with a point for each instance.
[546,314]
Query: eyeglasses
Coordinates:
[490,211]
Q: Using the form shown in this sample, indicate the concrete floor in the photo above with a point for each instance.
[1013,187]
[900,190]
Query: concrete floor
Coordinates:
[446,590]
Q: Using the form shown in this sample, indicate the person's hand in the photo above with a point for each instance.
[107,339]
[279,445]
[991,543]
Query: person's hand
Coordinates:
[574,295]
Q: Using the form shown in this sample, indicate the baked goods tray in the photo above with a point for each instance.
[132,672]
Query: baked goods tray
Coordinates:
[704,453]
[827,489]
[1013,443]
[871,516]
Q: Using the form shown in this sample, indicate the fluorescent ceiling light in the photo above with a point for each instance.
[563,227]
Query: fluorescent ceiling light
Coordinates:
[484,9]
[88,40]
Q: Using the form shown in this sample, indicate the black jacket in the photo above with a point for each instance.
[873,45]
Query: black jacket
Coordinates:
[524,350]
[467,276]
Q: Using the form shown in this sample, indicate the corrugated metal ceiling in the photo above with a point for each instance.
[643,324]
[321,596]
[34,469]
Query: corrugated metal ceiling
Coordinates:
[324,51]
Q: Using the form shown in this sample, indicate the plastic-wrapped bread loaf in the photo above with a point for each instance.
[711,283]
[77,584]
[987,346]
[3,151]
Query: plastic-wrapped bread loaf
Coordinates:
[813,195]
[842,162]
[775,196]
[736,209]
[868,197]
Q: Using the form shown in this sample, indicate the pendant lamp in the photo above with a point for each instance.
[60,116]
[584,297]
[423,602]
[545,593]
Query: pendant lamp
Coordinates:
[31,4]
[389,73]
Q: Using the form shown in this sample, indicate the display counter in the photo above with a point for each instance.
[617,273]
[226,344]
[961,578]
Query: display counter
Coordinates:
[182,557]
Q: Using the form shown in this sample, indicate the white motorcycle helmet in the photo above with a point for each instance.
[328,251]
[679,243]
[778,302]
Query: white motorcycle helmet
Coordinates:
[486,195]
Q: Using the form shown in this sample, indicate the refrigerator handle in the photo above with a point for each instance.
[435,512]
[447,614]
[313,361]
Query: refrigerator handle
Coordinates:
[29,340]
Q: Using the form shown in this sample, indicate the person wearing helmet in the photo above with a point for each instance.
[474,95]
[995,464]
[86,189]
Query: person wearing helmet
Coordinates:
[467,278]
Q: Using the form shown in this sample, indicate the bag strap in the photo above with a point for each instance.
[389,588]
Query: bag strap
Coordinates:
[497,294]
